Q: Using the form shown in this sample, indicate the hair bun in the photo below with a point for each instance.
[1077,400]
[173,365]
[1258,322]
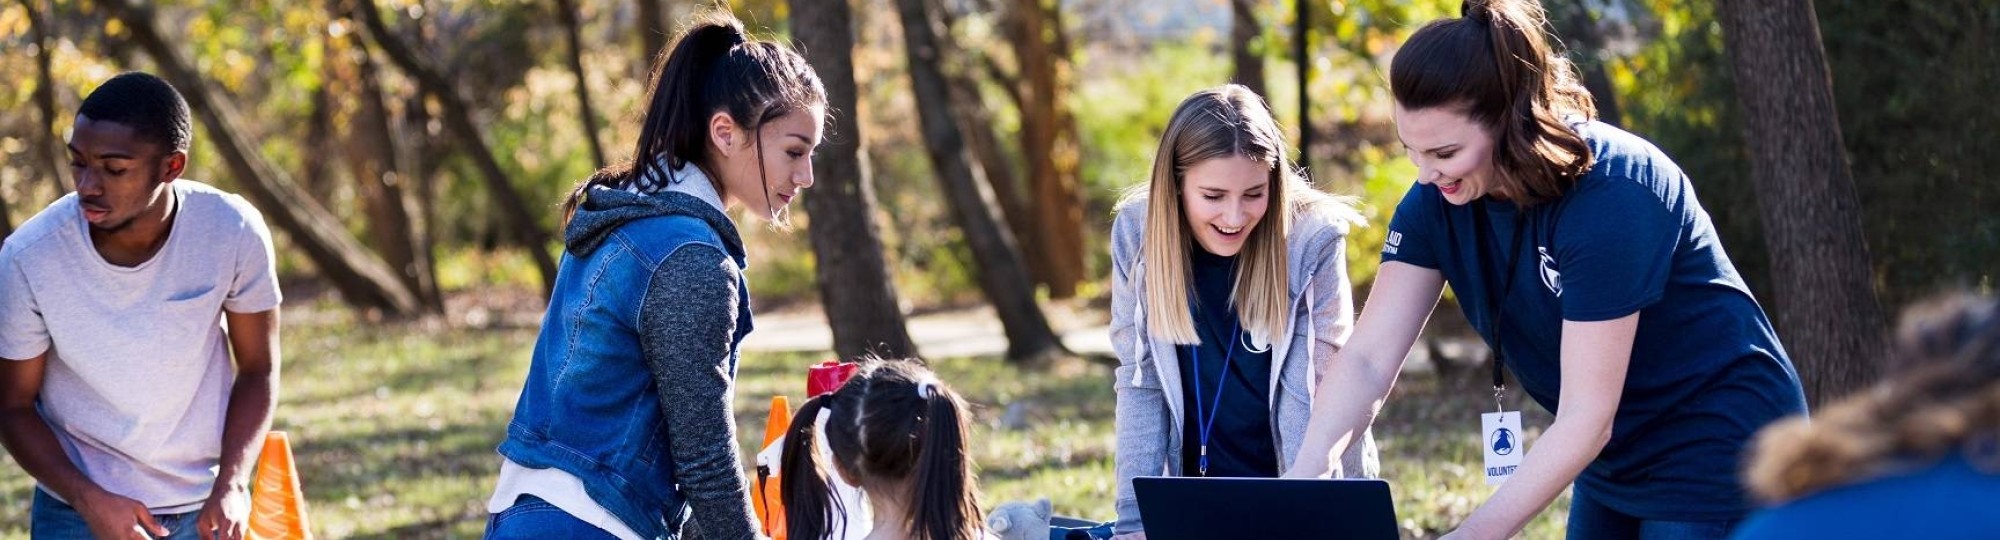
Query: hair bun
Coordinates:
[1480,11]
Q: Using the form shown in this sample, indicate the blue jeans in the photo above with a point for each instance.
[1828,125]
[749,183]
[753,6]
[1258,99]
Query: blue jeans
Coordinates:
[531,518]
[53,520]
[1591,520]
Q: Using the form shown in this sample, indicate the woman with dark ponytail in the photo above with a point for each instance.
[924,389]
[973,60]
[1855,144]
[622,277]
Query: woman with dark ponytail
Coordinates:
[899,434]
[624,428]
[1581,255]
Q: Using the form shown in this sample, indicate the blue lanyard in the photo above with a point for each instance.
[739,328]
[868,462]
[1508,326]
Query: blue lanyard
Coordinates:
[1205,418]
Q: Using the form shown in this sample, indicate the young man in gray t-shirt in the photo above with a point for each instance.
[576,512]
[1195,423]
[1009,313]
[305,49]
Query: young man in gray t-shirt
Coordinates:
[122,390]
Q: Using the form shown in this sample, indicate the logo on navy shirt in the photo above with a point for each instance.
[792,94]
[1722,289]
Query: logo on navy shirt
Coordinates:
[1550,277]
[1502,441]
[1393,243]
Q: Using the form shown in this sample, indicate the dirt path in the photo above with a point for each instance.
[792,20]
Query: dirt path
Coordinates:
[941,334]
[977,332]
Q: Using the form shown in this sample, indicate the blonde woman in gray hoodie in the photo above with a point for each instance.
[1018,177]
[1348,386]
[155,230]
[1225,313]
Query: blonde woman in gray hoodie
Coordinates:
[1229,293]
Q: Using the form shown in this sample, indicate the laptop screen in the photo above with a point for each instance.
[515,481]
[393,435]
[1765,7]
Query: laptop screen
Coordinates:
[1226,508]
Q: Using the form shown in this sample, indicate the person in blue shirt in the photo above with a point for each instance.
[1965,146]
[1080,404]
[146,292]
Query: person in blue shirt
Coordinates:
[1580,253]
[1918,456]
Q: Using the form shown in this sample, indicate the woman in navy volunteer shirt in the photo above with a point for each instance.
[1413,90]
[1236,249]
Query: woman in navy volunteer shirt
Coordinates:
[1580,253]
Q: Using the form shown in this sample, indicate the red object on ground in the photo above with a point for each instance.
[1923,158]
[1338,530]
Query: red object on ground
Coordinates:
[828,376]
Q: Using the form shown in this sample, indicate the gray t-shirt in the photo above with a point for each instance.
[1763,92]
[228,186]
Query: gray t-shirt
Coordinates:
[138,368]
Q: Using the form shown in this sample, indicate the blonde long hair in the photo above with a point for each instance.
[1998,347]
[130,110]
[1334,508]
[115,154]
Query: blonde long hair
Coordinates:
[1224,122]
[1947,397]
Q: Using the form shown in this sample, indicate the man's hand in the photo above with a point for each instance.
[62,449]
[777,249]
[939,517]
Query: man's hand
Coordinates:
[226,515]
[111,515]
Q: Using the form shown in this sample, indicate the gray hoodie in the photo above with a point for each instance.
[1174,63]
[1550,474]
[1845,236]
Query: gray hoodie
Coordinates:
[1150,411]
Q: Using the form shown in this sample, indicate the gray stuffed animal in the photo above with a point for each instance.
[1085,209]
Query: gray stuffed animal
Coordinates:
[1021,520]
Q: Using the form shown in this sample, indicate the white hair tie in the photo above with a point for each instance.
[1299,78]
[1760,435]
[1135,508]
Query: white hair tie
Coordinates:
[926,389]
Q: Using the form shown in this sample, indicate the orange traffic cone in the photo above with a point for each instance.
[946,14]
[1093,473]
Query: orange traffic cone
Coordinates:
[768,503]
[277,505]
[779,421]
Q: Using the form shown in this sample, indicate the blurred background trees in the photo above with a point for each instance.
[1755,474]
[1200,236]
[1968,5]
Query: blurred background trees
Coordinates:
[410,150]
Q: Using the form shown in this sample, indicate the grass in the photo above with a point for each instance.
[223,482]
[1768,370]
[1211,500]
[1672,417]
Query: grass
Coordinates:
[394,428]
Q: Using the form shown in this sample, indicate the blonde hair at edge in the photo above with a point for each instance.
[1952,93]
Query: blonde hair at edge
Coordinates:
[1943,394]
[1223,122]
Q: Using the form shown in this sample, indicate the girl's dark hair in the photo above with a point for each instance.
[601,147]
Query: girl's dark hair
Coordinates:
[1499,64]
[896,431]
[713,67]
[1942,394]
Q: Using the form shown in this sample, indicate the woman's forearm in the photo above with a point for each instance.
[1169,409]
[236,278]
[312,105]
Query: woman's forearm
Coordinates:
[1345,403]
[1554,461]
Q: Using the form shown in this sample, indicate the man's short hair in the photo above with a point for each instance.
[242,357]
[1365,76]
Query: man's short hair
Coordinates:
[147,104]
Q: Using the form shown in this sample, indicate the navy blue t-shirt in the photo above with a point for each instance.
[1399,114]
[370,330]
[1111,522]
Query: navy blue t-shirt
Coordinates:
[1239,441]
[1630,237]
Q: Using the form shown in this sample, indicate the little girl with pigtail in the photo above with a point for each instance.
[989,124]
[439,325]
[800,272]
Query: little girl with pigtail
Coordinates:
[900,435]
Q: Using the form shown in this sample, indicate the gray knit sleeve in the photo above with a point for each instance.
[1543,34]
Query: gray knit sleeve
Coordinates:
[685,328]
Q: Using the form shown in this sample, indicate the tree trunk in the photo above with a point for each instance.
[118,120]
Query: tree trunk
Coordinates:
[1301,42]
[6,219]
[971,113]
[319,129]
[527,229]
[1244,31]
[362,278]
[652,34]
[383,183]
[566,11]
[45,102]
[1586,47]
[1827,309]
[419,158]
[1001,277]
[855,286]
[1049,146]
[969,106]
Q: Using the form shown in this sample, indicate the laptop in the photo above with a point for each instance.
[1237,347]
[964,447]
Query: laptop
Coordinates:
[1228,508]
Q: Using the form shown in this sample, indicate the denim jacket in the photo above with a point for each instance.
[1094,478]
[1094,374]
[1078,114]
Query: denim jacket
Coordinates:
[639,341]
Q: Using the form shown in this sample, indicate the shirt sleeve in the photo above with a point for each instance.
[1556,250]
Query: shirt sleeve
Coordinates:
[1333,308]
[1140,418]
[1413,230]
[254,287]
[686,326]
[23,333]
[1614,249]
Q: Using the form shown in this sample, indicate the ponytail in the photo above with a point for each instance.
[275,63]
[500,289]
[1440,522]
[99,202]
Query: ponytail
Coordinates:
[803,485]
[713,67]
[1500,65]
[943,505]
[678,105]
[674,107]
